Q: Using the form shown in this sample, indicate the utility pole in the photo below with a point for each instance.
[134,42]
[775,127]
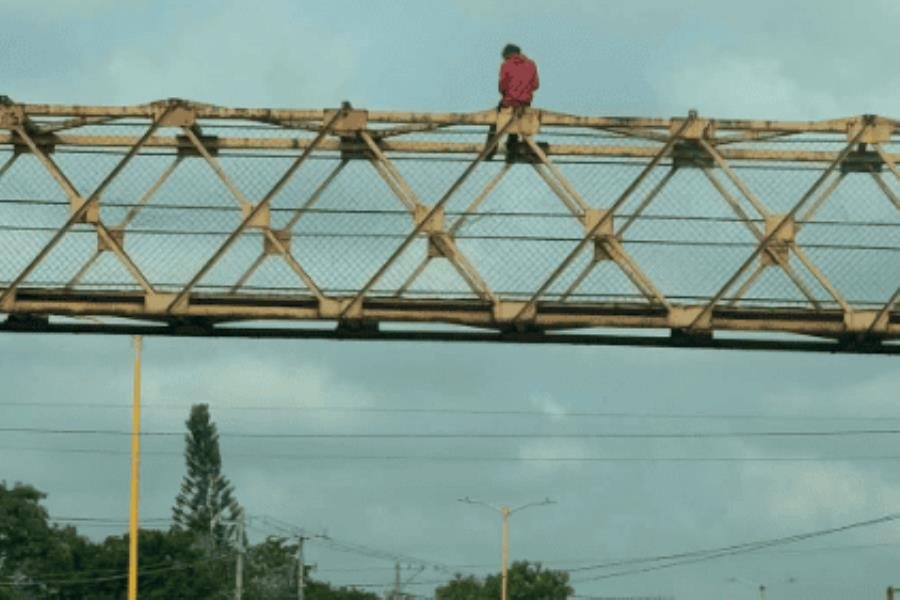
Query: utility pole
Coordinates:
[396,595]
[135,472]
[239,568]
[301,567]
[504,553]
[301,564]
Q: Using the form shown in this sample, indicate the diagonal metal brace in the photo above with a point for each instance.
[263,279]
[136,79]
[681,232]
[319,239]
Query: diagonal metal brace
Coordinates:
[79,213]
[355,304]
[528,307]
[764,243]
[252,214]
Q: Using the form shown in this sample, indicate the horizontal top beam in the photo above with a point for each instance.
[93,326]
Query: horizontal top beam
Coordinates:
[485,117]
[279,144]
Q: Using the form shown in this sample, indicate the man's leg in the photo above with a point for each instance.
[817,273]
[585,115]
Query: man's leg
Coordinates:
[512,141]
[492,133]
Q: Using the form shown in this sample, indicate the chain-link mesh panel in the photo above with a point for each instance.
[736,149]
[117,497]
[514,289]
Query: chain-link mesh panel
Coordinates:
[176,214]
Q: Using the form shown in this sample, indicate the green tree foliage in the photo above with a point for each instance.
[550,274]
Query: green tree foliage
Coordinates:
[171,564]
[40,561]
[271,572]
[206,502]
[462,588]
[34,555]
[527,581]
[25,536]
[317,590]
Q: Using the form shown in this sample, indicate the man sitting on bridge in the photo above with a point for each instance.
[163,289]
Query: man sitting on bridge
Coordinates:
[518,82]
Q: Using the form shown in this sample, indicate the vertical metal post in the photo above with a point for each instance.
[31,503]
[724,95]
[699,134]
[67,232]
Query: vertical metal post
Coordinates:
[135,472]
[301,567]
[504,555]
[239,568]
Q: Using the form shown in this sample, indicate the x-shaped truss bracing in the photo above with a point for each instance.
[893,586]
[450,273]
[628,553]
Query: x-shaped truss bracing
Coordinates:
[524,283]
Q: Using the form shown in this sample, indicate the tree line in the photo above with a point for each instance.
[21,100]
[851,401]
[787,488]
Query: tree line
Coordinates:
[196,557]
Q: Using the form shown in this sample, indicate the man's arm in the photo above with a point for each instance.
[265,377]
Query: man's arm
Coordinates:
[537,81]
[504,79]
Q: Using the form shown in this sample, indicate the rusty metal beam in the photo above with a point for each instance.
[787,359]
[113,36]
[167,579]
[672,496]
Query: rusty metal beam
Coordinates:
[456,225]
[529,305]
[887,190]
[503,337]
[552,316]
[884,313]
[818,202]
[129,217]
[310,202]
[8,163]
[514,247]
[582,204]
[76,215]
[890,160]
[251,214]
[645,202]
[764,243]
[781,261]
[485,117]
[423,147]
[354,305]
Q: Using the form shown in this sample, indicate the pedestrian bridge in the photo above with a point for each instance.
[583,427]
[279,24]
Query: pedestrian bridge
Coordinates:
[180,218]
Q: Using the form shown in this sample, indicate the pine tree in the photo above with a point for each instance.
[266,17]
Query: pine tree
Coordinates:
[206,502]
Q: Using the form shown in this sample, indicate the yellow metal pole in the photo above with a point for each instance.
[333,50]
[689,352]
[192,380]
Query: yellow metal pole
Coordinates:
[504,573]
[135,472]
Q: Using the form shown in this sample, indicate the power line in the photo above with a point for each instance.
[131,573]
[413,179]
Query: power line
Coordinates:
[479,458]
[695,556]
[474,435]
[465,412]
[565,564]
[482,237]
[352,548]
[669,561]
[49,579]
[110,520]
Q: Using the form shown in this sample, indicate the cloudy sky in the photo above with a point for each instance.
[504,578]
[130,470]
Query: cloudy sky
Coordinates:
[803,60]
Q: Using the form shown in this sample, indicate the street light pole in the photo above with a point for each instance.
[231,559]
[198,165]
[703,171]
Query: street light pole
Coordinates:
[135,473]
[504,553]
[505,513]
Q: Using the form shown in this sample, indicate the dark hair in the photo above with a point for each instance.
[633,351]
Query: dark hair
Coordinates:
[511,49]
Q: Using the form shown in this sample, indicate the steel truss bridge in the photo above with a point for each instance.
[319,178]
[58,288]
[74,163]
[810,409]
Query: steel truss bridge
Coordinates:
[179,218]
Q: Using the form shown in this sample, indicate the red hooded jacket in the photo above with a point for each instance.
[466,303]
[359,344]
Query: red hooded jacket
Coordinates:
[518,80]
